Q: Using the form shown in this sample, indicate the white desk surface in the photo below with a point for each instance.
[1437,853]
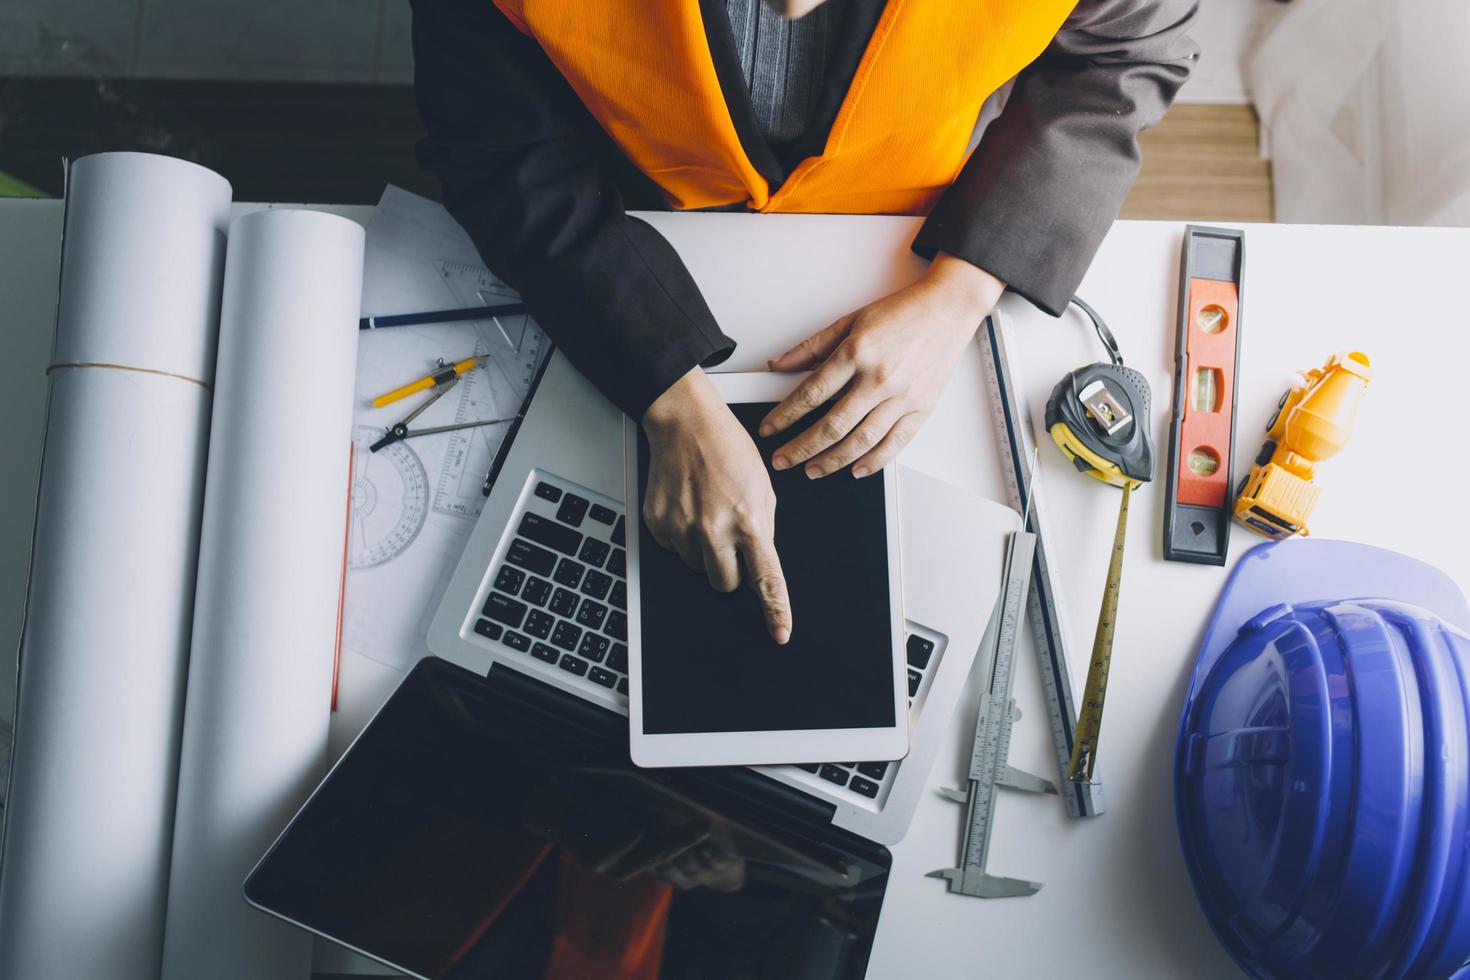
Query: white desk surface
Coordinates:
[1116,901]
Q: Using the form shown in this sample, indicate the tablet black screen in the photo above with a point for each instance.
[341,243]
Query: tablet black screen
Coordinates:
[708,663]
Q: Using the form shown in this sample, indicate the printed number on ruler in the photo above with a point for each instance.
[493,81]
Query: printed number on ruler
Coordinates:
[1013,433]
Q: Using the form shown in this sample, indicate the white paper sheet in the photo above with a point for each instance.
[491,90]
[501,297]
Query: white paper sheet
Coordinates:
[416,502]
[84,869]
[270,569]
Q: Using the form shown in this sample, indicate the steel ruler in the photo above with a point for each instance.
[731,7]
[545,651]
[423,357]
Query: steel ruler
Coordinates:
[988,766]
[1011,417]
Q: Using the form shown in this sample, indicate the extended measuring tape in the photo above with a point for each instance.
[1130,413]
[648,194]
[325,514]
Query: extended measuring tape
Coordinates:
[1011,417]
[1098,416]
[988,766]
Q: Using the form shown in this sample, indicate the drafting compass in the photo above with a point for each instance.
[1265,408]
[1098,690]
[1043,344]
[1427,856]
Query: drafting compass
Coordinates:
[400,430]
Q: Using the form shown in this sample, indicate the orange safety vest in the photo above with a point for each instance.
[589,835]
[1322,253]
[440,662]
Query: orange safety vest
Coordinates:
[644,70]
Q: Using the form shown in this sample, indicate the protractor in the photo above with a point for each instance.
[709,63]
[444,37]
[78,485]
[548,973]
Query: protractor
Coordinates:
[390,498]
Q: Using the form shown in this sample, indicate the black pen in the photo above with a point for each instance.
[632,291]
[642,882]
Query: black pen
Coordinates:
[440,316]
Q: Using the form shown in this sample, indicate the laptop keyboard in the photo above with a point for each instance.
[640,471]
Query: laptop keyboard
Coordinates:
[866,778]
[560,596]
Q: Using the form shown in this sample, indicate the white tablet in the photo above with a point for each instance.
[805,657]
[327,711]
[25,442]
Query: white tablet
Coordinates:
[707,684]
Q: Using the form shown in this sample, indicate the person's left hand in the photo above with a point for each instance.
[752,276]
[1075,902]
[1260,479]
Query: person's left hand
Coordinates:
[889,361]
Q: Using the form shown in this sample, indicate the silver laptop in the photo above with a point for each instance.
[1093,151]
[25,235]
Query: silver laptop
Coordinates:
[541,588]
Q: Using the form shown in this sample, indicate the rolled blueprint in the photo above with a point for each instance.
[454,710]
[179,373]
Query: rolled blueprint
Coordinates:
[104,650]
[270,572]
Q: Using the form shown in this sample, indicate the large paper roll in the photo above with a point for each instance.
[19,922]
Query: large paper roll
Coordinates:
[270,572]
[84,869]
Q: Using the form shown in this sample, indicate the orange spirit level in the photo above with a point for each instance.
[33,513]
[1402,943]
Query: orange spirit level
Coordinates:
[1197,506]
[1312,422]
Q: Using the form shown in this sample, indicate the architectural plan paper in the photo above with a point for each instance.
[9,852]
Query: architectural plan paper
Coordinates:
[270,573]
[415,503]
[84,869]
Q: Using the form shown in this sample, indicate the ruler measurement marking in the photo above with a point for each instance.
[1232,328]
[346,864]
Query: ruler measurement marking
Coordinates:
[1089,724]
[991,746]
[1043,613]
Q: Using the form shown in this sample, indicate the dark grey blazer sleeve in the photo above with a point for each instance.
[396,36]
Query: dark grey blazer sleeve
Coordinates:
[1038,194]
[536,184]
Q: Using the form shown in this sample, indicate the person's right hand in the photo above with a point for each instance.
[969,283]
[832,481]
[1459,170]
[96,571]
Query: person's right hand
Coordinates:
[709,498]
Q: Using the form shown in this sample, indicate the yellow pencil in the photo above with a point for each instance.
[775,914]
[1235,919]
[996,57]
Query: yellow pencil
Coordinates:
[433,380]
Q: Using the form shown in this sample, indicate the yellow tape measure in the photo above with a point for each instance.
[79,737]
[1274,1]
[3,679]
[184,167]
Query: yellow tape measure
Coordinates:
[1098,416]
[1089,721]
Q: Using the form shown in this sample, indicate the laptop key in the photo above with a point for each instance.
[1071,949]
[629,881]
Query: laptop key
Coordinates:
[564,603]
[808,766]
[527,555]
[594,552]
[603,677]
[619,534]
[568,573]
[914,678]
[566,635]
[603,515]
[834,774]
[619,595]
[504,609]
[546,491]
[920,650]
[593,647]
[623,686]
[591,614]
[537,591]
[617,658]
[573,508]
[549,533]
[516,641]
[864,787]
[873,770]
[576,665]
[509,580]
[617,564]
[488,629]
[596,584]
[617,625]
[543,652]
[539,624]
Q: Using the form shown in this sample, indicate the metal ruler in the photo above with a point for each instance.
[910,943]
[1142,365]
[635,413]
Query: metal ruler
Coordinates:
[1084,756]
[1011,417]
[988,766]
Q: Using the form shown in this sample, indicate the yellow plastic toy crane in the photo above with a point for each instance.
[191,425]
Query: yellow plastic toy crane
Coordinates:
[1312,422]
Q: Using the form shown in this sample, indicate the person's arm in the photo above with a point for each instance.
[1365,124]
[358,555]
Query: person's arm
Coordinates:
[524,169]
[1027,212]
[1040,192]
[522,166]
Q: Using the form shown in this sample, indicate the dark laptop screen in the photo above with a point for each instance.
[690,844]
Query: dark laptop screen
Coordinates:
[467,833]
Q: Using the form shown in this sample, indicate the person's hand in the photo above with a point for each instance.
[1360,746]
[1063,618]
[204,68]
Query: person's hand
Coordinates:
[709,498]
[889,362]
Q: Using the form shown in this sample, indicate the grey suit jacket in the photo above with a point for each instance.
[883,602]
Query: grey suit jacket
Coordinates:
[1058,147]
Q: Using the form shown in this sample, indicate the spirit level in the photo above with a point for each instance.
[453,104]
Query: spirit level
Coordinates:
[1197,502]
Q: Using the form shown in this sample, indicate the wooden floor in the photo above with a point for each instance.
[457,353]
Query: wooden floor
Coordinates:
[289,142]
[1202,163]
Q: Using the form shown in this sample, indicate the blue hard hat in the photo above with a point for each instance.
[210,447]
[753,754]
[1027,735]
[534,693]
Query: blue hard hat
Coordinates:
[1322,769]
